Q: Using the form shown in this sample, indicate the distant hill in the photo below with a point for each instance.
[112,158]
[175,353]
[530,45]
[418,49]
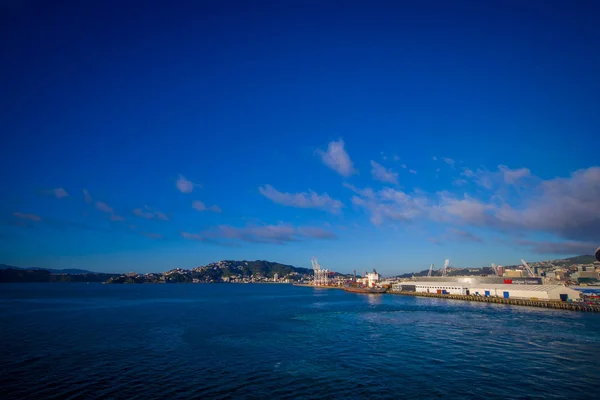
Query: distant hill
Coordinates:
[54,271]
[564,263]
[10,275]
[221,271]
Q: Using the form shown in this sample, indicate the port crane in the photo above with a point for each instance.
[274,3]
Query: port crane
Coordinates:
[321,276]
[528,268]
[430,271]
[445,270]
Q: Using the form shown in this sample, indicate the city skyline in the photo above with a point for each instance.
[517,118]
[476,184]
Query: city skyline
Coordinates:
[387,137]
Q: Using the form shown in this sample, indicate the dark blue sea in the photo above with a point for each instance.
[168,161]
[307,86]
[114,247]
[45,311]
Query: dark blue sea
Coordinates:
[69,341]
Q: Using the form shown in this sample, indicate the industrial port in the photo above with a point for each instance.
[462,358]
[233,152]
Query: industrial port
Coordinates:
[525,286]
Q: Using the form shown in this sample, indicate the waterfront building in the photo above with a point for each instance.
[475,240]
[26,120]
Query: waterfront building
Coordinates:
[506,290]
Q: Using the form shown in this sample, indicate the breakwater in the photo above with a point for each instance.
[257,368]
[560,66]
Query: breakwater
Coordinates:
[559,305]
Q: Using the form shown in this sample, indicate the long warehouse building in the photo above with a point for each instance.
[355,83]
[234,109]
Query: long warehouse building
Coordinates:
[507,291]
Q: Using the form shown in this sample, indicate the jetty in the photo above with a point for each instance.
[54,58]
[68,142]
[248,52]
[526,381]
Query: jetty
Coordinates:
[559,305]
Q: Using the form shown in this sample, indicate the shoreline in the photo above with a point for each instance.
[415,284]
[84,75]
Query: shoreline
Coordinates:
[557,305]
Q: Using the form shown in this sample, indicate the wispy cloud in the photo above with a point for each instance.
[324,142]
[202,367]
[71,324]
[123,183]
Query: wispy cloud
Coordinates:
[565,207]
[513,176]
[102,206]
[185,185]
[30,217]
[380,173]
[404,166]
[434,158]
[449,161]
[192,236]
[412,171]
[461,235]
[150,213]
[200,206]
[276,234]
[337,158]
[396,158]
[569,247]
[116,217]
[59,193]
[302,200]
[86,196]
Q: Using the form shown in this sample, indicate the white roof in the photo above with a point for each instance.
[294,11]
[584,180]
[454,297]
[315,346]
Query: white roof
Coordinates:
[505,286]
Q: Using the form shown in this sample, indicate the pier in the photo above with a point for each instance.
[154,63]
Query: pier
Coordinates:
[559,305]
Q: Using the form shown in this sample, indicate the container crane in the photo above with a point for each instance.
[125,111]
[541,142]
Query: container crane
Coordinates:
[528,268]
[445,270]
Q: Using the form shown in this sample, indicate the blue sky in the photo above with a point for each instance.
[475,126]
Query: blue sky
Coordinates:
[387,135]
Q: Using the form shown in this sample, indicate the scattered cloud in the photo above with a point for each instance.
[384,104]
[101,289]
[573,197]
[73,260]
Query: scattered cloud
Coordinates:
[308,199]
[459,182]
[567,208]
[513,176]
[367,192]
[102,206]
[449,161]
[434,158]
[150,213]
[30,217]
[116,217]
[404,166]
[192,236]
[412,171]
[380,173]
[337,158]
[276,234]
[87,197]
[460,235]
[569,247]
[185,185]
[59,193]
[200,206]
[396,158]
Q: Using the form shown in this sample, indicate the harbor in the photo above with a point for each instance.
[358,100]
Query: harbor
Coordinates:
[530,290]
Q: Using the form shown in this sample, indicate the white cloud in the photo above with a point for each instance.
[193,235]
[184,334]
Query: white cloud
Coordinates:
[568,208]
[337,159]
[59,193]
[396,158]
[404,166]
[200,206]
[116,217]
[412,171]
[86,196]
[380,173]
[150,213]
[185,185]
[102,206]
[302,200]
[449,161]
[276,234]
[512,176]
[434,158]
[31,217]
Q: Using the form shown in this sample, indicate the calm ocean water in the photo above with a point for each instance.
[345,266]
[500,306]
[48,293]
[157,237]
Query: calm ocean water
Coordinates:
[278,341]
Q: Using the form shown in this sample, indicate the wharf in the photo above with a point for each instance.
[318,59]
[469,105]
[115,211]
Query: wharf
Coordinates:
[559,305]
[319,286]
